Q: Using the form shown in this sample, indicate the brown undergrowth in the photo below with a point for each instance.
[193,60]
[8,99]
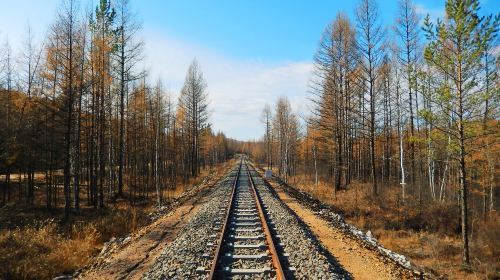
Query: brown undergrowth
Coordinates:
[428,235]
[36,243]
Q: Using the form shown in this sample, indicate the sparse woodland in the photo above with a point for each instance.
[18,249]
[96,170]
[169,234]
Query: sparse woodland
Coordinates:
[402,136]
[78,115]
[403,129]
[82,126]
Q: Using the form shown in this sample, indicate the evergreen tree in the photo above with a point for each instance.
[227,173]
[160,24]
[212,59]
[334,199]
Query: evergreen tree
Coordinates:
[454,50]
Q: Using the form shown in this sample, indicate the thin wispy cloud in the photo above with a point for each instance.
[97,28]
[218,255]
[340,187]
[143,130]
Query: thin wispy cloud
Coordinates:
[434,13]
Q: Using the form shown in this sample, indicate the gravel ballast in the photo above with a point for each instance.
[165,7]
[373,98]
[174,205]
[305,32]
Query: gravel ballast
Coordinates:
[305,254]
[302,255]
[181,259]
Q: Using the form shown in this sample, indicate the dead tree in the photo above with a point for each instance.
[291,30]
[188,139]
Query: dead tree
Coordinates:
[371,36]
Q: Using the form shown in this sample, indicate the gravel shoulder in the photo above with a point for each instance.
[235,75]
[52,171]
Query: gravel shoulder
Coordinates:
[171,246]
[181,258]
[304,258]
[306,255]
[130,257]
[351,254]
[135,258]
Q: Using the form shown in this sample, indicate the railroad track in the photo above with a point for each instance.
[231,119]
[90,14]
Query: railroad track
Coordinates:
[242,231]
[243,243]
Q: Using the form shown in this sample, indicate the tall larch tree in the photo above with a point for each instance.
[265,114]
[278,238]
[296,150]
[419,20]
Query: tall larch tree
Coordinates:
[455,48]
[127,56]
[193,102]
[407,30]
[370,41]
[103,45]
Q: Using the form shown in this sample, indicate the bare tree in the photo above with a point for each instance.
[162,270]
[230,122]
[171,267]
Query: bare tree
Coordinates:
[397,94]
[103,38]
[266,119]
[158,128]
[371,36]
[66,30]
[29,63]
[127,56]
[194,104]
[286,128]
[407,29]
[7,134]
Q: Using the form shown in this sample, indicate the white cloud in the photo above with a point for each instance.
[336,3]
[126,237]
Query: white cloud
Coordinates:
[434,13]
[238,89]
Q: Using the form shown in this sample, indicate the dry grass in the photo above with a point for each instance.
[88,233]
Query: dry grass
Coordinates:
[42,252]
[45,249]
[38,244]
[431,238]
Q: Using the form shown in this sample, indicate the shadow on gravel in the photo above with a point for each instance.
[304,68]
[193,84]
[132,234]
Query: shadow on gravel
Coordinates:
[338,268]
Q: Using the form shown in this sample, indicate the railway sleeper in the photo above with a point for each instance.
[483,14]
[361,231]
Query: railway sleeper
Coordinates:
[246,229]
[245,224]
[240,271]
[247,256]
[247,237]
[245,214]
[245,219]
[242,211]
[246,246]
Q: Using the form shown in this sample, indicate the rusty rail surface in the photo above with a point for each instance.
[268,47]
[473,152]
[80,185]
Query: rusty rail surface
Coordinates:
[277,267]
[280,275]
[224,228]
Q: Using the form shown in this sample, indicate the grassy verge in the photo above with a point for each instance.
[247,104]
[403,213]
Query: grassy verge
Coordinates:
[428,235]
[36,243]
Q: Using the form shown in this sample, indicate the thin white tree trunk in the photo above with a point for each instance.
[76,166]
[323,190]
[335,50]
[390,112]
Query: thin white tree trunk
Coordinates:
[401,149]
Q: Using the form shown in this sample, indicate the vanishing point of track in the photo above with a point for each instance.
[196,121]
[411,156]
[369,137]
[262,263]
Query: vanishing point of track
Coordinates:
[243,245]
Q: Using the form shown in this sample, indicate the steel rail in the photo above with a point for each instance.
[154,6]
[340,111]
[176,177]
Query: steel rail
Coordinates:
[280,275]
[218,250]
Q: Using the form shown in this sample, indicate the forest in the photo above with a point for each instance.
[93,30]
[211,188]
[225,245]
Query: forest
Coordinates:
[84,131]
[79,116]
[402,130]
[401,136]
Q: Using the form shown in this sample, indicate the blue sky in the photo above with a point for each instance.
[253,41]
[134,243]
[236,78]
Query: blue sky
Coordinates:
[269,30]
[251,51]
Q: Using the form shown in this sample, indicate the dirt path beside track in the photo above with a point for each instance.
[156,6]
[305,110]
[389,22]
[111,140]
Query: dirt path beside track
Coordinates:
[360,261]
